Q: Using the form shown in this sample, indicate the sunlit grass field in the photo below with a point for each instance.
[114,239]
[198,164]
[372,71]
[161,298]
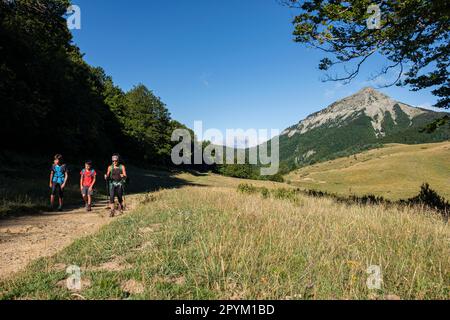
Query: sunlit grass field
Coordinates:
[394,172]
[213,242]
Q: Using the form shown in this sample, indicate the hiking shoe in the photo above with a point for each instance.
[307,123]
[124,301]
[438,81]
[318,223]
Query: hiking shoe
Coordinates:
[60,209]
[89,208]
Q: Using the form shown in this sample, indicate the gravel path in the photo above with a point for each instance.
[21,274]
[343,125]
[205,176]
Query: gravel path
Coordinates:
[24,239]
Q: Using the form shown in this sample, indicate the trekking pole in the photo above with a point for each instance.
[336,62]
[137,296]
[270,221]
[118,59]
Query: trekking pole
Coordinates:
[107,191]
[123,197]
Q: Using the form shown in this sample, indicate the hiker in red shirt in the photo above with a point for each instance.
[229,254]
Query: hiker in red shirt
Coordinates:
[87,182]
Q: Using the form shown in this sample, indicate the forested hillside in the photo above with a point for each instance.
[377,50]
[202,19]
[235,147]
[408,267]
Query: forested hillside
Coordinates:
[53,101]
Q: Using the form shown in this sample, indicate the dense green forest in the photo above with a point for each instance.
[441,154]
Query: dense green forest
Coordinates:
[57,103]
[52,101]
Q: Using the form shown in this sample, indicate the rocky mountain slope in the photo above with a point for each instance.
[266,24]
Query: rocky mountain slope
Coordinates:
[362,121]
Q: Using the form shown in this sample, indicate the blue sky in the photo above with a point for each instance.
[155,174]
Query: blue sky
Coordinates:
[231,64]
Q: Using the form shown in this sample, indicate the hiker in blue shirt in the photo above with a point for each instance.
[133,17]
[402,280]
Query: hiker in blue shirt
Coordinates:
[58,180]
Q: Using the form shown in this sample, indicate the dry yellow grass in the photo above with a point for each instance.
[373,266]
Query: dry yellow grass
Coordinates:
[215,243]
[214,180]
[313,248]
[394,172]
[211,242]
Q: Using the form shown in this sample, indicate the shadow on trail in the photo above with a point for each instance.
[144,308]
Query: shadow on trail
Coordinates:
[141,181]
[149,181]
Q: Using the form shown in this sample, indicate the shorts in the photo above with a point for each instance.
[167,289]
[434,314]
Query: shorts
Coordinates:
[57,190]
[85,192]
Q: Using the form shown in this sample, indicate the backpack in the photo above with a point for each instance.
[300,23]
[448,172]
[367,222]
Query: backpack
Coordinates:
[62,167]
[111,169]
[124,181]
[59,176]
[83,172]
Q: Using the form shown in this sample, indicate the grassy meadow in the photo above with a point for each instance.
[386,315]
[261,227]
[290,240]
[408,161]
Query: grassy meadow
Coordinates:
[394,172]
[206,240]
[206,236]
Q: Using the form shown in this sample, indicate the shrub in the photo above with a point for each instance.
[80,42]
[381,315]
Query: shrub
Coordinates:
[431,199]
[282,193]
[276,178]
[427,197]
[247,188]
[265,192]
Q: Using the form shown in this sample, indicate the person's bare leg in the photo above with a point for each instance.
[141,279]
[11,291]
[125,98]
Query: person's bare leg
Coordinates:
[89,202]
[52,201]
[85,201]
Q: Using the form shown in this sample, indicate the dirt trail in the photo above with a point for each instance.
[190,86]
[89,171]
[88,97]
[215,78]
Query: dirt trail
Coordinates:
[24,239]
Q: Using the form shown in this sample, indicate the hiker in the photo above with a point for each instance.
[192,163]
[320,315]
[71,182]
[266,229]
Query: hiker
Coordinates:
[59,175]
[87,182]
[116,177]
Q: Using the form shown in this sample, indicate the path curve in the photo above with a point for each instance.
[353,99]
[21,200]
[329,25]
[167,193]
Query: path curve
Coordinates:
[27,238]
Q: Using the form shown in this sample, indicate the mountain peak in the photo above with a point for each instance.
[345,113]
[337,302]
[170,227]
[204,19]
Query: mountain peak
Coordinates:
[367,96]
[367,90]
[368,102]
